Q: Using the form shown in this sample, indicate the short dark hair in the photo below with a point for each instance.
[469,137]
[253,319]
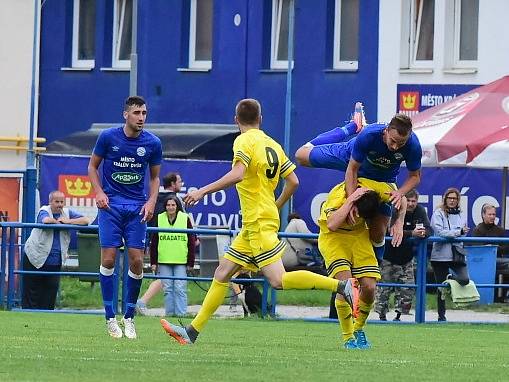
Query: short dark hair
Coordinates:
[368,204]
[402,123]
[133,100]
[248,111]
[169,178]
[413,193]
[293,215]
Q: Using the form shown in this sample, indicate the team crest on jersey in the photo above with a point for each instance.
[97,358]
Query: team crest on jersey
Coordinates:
[141,151]
[398,156]
[126,177]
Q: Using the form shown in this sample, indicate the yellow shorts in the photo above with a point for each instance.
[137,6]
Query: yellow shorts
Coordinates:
[257,245]
[349,251]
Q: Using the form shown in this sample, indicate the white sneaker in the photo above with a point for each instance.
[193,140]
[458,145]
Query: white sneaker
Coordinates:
[113,328]
[129,329]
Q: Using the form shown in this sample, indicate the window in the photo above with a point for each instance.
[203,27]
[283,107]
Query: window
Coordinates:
[122,31]
[83,34]
[279,39]
[466,21]
[418,36]
[346,34]
[200,34]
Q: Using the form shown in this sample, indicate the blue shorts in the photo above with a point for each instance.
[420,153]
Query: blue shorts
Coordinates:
[333,156]
[122,221]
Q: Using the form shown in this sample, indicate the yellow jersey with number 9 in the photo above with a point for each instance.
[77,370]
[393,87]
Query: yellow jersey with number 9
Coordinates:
[265,163]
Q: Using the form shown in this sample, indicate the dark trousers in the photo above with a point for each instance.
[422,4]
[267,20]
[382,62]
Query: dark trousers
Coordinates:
[39,291]
[441,270]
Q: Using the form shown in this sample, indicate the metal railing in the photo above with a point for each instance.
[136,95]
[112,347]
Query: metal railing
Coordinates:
[9,245]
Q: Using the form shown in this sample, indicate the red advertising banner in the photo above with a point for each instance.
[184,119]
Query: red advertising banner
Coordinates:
[9,199]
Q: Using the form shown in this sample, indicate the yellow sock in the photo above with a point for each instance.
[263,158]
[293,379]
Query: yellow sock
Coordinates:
[214,298]
[364,310]
[345,319]
[308,280]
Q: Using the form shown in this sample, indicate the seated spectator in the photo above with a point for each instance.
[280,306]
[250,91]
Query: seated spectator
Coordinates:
[46,250]
[298,250]
[397,265]
[488,228]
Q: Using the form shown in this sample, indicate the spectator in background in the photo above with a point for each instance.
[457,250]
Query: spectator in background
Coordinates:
[448,222]
[296,252]
[488,228]
[172,254]
[397,266]
[172,184]
[46,250]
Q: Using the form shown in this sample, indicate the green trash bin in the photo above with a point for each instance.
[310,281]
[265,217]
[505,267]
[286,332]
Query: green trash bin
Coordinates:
[482,262]
[89,255]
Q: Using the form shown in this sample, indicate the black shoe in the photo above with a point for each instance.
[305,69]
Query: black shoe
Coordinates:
[398,315]
[382,317]
[442,319]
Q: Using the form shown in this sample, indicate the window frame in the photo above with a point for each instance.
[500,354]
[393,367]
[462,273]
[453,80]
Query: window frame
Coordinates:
[416,14]
[193,62]
[337,63]
[115,61]
[75,61]
[274,38]
[456,44]
[410,37]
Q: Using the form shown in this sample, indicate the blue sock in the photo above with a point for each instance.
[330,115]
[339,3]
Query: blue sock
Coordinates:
[107,278]
[336,135]
[133,291]
[379,252]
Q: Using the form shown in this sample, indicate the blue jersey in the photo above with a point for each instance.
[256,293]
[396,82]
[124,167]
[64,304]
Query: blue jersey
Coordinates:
[377,161]
[125,162]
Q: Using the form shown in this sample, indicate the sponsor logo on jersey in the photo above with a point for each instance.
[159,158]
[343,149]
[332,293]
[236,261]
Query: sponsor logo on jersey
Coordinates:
[141,151]
[115,148]
[126,177]
[398,156]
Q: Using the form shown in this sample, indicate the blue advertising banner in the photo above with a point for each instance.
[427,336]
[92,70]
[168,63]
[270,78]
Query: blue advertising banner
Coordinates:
[414,98]
[69,175]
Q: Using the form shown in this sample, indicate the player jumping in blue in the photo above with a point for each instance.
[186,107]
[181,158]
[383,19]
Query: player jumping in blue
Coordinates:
[373,151]
[125,152]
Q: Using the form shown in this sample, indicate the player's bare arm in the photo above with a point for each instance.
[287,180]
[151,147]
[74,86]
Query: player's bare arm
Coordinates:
[340,216]
[351,184]
[101,198]
[396,230]
[148,208]
[411,182]
[232,177]
[291,185]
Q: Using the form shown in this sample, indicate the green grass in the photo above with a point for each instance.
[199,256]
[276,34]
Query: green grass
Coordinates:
[64,347]
[80,295]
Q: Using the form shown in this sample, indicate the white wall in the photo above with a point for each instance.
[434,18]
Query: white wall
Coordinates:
[16,29]
[493,51]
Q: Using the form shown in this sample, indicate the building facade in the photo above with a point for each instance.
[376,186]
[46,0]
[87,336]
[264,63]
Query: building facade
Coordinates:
[197,58]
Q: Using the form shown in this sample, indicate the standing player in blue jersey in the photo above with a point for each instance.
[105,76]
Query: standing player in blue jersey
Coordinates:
[126,152]
[375,153]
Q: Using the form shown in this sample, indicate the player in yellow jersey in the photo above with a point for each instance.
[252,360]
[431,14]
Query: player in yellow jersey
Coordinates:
[258,163]
[348,252]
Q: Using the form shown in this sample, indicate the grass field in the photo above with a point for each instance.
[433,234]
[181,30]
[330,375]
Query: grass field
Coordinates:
[64,347]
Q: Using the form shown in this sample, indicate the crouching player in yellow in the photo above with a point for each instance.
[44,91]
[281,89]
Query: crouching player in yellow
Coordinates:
[347,250]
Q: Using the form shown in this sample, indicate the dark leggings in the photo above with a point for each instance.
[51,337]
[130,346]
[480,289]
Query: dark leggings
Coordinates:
[441,270]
